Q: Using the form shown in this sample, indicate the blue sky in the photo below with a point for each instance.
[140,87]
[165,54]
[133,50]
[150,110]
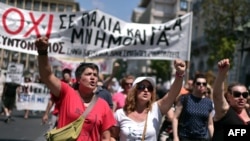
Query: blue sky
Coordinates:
[121,9]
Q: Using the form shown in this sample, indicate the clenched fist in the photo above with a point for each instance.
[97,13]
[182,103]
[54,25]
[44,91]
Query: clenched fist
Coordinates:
[180,66]
[224,65]
[42,43]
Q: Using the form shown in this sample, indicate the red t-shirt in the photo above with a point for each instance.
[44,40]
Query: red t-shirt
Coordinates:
[56,101]
[99,119]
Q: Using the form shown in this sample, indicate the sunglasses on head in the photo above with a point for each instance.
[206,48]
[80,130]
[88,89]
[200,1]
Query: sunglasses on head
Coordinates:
[200,83]
[142,87]
[238,94]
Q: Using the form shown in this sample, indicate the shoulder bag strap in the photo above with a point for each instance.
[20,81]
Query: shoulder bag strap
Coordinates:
[91,105]
[145,128]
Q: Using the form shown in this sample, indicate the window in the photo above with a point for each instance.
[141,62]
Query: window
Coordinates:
[6,53]
[3,1]
[183,5]
[19,3]
[160,7]
[11,2]
[28,4]
[44,6]
[23,56]
[52,7]
[69,8]
[36,5]
[60,8]
[5,64]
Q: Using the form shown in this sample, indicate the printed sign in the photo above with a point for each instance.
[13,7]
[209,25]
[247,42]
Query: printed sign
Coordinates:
[14,73]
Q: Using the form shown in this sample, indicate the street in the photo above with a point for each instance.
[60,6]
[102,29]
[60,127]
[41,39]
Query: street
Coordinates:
[20,129]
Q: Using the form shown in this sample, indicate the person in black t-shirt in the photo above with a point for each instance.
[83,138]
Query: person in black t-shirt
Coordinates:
[230,105]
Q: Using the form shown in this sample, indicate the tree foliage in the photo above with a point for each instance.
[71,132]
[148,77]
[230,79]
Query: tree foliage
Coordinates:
[222,17]
[162,69]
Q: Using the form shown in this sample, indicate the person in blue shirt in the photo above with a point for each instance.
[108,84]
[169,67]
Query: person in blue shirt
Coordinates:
[193,117]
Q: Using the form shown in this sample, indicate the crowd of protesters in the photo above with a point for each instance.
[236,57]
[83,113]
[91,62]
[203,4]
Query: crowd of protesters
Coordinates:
[136,108]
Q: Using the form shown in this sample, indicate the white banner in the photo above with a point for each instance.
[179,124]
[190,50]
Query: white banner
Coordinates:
[14,73]
[94,34]
[35,97]
[105,65]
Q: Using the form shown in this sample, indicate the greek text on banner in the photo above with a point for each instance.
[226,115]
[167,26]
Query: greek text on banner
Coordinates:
[94,34]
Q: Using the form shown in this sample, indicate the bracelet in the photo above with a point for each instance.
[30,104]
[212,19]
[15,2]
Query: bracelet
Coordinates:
[179,75]
[42,52]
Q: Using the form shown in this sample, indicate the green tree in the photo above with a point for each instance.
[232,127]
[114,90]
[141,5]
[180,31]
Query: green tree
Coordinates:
[162,69]
[222,17]
[122,70]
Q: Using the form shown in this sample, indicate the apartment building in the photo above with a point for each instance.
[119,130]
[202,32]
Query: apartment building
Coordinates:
[29,61]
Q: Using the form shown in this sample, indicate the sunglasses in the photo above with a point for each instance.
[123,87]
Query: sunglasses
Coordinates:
[142,87]
[238,94]
[129,84]
[200,83]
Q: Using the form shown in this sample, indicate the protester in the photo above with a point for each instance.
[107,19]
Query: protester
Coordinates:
[67,76]
[166,130]
[103,86]
[119,97]
[53,119]
[104,94]
[248,105]
[189,85]
[193,118]
[141,116]
[9,99]
[99,121]
[230,105]
[25,89]
[2,82]
[209,92]
[108,83]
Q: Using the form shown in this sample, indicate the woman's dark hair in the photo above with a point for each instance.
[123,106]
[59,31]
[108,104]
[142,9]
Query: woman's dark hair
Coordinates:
[81,68]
